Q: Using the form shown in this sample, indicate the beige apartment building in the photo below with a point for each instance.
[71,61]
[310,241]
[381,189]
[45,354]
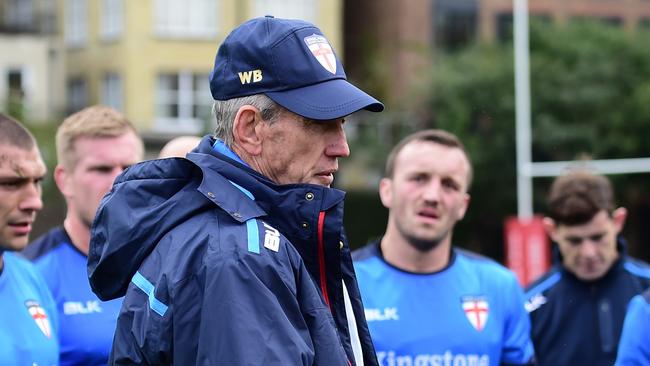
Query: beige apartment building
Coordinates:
[151,58]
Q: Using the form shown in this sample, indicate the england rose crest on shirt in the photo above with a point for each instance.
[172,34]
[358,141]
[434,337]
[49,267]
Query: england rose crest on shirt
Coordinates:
[476,310]
[322,51]
[40,317]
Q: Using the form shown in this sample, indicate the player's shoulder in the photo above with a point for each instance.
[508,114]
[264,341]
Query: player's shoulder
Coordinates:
[14,260]
[45,244]
[21,267]
[490,272]
[481,263]
[544,283]
[370,250]
[646,296]
[637,267]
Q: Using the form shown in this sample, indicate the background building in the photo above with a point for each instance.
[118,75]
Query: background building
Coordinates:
[31,60]
[151,58]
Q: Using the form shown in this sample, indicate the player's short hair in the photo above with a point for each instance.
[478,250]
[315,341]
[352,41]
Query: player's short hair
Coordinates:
[225,112]
[576,197]
[13,133]
[435,136]
[95,121]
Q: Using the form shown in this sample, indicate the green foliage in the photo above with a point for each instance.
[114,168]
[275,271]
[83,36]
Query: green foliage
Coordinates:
[590,96]
[590,92]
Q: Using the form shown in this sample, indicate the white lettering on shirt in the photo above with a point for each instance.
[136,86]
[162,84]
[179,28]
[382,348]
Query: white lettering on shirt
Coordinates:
[78,307]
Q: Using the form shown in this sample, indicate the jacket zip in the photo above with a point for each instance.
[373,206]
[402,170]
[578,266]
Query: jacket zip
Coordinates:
[321,258]
[321,263]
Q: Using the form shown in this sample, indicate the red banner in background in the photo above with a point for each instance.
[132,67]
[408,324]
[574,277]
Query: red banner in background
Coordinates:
[528,249]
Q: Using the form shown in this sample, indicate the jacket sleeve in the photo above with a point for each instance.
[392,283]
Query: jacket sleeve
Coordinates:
[143,331]
[634,349]
[265,313]
[517,345]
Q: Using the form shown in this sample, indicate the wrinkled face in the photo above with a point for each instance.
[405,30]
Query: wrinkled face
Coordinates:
[21,173]
[99,161]
[588,250]
[298,151]
[427,194]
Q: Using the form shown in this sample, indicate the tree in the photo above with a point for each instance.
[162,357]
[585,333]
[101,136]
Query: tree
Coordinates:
[590,94]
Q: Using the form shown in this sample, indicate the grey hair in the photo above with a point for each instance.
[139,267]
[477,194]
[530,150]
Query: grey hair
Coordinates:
[225,111]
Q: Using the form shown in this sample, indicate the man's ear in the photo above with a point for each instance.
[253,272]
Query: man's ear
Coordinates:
[385,192]
[619,215]
[549,226]
[61,178]
[463,210]
[247,130]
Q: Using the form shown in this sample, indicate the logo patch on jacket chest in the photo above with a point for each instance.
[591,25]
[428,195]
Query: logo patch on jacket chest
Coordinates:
[271,238]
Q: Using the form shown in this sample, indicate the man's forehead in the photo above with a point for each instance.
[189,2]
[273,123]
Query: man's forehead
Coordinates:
[19,162]
[419,153]
[128,138]
[581,231]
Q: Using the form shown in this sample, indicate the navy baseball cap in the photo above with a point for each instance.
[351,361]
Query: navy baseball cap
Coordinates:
[291,62]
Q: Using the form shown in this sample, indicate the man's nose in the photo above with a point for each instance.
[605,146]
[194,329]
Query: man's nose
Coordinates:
[338,144]
[31,198]
[432,190]
[588,248]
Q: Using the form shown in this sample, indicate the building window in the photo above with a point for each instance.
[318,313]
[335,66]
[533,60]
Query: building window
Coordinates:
[16,93]
[183,102]
[19,15]
[111,93]
[455,23]
[610,21]
[505,31]
[76,26]
[186,19]
[111,19]
[77,95]
[294,9]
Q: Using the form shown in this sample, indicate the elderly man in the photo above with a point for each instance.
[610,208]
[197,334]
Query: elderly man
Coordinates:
[93,147]
[27,312]
[236,255]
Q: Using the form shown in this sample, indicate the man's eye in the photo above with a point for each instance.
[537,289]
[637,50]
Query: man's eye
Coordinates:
[450,184]
[574,241]
[103,169]
[10,184]
[596,238]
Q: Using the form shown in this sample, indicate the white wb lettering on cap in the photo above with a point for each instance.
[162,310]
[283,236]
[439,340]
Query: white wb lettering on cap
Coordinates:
[245,77]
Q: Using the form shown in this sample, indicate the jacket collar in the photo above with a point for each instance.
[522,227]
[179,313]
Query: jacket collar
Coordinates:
[244,193]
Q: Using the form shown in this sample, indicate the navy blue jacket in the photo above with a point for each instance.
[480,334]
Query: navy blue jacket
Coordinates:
[579,323]
[221,266]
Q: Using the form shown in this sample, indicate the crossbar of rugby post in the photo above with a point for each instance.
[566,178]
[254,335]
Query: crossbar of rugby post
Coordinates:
[605,166]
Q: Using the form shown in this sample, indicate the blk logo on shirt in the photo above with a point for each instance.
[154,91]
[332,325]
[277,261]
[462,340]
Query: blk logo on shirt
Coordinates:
[78,307]
[535,302]
[373,314]
[40,317]
[476,310]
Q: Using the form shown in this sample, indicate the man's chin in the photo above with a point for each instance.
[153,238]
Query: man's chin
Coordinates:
[16,245]
[589,276]
[423,244]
